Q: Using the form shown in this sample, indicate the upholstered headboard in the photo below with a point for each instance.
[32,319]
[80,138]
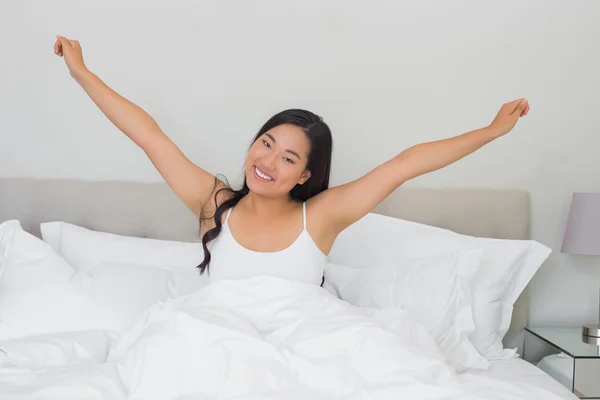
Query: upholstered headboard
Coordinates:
[152,210]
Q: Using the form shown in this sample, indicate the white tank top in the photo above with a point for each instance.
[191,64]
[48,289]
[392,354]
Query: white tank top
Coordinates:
[301,261]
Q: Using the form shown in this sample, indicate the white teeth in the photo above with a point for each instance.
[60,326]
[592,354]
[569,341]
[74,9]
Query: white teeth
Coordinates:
[267,177]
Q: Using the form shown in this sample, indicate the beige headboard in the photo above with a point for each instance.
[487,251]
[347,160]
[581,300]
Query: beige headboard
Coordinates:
[152,210]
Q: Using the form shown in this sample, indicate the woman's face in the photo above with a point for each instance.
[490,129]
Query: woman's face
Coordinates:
[277,161]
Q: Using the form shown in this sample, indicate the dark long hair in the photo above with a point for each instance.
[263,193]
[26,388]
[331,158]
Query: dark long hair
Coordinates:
[319,164]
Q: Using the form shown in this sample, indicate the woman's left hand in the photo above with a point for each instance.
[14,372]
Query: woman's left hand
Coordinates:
[508,116]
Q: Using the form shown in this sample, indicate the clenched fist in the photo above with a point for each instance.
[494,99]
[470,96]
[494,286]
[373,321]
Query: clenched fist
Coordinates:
[507,117]
[70,50]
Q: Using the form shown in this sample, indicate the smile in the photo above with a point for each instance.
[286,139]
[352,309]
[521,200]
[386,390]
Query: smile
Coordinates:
[261,175]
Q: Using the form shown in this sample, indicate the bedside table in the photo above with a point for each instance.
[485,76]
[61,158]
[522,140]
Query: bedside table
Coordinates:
[563,354]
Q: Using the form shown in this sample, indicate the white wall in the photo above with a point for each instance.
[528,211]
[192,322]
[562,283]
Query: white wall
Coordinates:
[385,75]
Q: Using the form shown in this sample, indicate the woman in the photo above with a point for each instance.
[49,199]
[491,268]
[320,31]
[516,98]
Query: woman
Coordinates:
[285,219]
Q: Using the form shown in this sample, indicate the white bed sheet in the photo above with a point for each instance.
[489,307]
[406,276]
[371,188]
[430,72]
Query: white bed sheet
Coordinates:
[505,380]
[94,381]
[513,379]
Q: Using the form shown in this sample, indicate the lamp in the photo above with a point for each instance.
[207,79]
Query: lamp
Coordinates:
[582,236]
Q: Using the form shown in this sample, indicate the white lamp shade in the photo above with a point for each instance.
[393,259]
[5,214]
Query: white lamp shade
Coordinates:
[582,233]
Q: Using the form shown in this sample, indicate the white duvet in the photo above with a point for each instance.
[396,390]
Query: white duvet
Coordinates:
[269,338]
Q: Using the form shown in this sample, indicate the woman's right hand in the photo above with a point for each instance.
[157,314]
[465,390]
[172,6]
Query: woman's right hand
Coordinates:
[71,51]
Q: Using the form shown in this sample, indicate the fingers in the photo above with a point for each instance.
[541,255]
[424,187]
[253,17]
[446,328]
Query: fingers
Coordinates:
[61,45]
[518,106]
[64,42]
[57,48]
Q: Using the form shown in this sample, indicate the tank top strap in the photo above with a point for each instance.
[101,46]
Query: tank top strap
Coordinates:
[228,214]
[304,214]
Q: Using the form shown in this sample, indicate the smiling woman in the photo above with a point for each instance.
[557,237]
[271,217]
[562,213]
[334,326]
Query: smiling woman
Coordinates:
[267,152]
[286,217]
[269,142]
[288,163]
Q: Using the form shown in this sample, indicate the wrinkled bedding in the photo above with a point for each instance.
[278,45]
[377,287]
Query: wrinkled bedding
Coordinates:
[269,338]
[266,338]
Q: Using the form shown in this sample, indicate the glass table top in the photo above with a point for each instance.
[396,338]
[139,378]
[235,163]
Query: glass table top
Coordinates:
[568,340]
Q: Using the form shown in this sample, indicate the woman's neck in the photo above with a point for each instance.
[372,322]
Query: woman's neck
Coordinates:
[262,206]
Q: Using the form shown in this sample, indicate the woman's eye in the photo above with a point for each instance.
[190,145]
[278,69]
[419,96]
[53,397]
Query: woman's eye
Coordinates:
[266,143]
[289,160]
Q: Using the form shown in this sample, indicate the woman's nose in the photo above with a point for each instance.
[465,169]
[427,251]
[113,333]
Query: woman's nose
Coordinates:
[269,161]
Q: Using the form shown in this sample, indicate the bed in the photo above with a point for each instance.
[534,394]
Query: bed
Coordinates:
[150,210]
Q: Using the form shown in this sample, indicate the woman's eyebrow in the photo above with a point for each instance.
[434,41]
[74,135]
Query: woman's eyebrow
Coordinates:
[288,150]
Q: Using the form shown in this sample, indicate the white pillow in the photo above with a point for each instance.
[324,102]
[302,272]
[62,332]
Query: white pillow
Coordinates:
[37,294]
[127,290]
[507,266]
[435,290]
[86,248]
[45,303]
[144,260]
[57,349]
